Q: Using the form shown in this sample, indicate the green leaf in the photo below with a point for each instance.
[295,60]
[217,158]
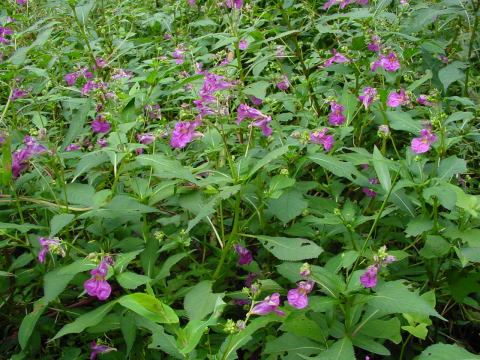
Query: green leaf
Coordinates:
[58,222]
[420,330]
[444,193]
[418,226]
[80,194]
[394,297]
[29,322]
[446,352]
[330,283]
[149,307]
[335,166]
[291,249]
[84,321]
[279,183]
[297,323]
[341,350]
[381,168]
[23,228]
[167,265]
[130,280]
[257,89]
[129,329]
[450,167]
[121,206]
[435,247]
[273,155]
[382,329]
[367,343]
[451,73]
[161,340]
[89,161]
[288,206]
[200,300]
[399,120]
[292,344]
[166,168]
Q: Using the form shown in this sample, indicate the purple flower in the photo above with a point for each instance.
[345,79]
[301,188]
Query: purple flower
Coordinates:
[321,138]
[374,44]
[192,2]
[121,74]
[178,55]
[100,125]
[97,285]
[71,78]
[146,138]
[153,111]
[92,85]
[383,130]
[100,63]
[369,277]
[337,58]
[18,93]
[5,31]
[72,147]
[388,62]
[298,297]
[268,305]
[49,244]
[369,192]
[422,144]
[284,84]
[396,99]
[368,96]
[336,116]
[243,44]
[443,58]
[102,142]
[22,2]
[260,120]
[256,101]
[245,256]
[234,4]
[423,100]
[99,349]
[21,157]
[184,133]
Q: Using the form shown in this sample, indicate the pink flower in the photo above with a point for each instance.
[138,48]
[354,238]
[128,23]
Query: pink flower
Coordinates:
[100,63]
[268,305]
[298,297]
[336,116]
[234,4]
[423,100]
[388,62]
[178,55]
[184,133]
[102,142]
[71,78]
[192,2]
[245,256]
[145,139]
[99,349]
[22,2]
[397,99]
[153,111]
[72,147]
[97,285]
[48,244]
[243,44]
[321,138]
[337,58]
[374,44]
[368,96]
[21,157]
[260,120]
[100,125]
[422,144]
[369,277]
[18,93]
[284,84]
[92,85]
[256,101]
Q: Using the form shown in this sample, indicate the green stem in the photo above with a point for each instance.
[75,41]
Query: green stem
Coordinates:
[470,45]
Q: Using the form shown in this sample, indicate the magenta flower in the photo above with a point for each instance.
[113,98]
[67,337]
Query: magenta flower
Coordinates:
[374,44]
[423,100]
[18,94]
[234,4]
[396,99]
[100,125]
[102,142]
[298,297]
[321,138]
[121,74]
[97,285]
[99,349]
[245,256]
[388,62]
[260,120]
[336,116]
[263,124]
[368,96]
[154,112]
[100,63]
[21,157]
[146,138]
[184,133]
[5,31]
[256,101]
[443,58]
[192,2]
[268,305]
[337,58]
[422,144]
[243,44]
[92,85]
[49,244]
[72,147]
[284,84]
[369,277]
[22,2]
[71,78]
[178,55]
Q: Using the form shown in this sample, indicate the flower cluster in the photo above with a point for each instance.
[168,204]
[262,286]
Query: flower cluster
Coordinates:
[369,278]
[388,62]
[321,138]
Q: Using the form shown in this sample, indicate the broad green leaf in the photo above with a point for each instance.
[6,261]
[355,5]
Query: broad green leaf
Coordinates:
[86,320]
[291,249]
[298,324]
[418,226]
[58,222]
[23,228]
[121,206]
[129,329]
[420,330]
[381,168]
[29,322]
[292,344]
[200,300]
[273,155]
[166,168]
[149,307]
[446,352]
[340,350]
[451,166]
[288,206]
[435,247]
[367,343]
[444,193]
[130,280]
[167,265]
[382,329]
[257,89]
[335,166]
[80,194]
[399,120]
[394,297]
[451,73]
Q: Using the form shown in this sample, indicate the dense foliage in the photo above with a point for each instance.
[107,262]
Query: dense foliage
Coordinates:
[223,179]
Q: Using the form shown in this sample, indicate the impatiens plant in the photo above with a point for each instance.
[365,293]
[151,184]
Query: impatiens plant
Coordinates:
[239,179]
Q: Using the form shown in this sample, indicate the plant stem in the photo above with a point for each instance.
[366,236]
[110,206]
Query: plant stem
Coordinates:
[470,45]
